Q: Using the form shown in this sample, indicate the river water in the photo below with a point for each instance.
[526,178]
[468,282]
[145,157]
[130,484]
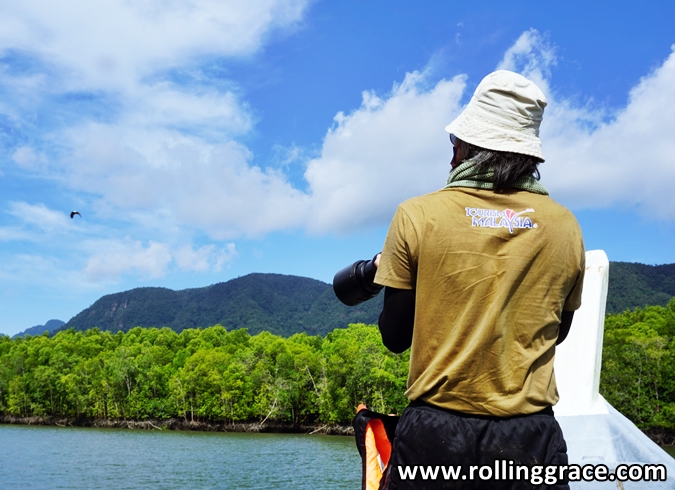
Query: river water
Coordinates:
[83,458]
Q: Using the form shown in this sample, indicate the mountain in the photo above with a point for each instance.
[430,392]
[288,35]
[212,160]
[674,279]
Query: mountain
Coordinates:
[633,284]
[279,304]
[285,305]
[50,326]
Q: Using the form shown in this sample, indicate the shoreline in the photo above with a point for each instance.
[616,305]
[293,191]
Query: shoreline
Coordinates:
[661,436]
[181,424]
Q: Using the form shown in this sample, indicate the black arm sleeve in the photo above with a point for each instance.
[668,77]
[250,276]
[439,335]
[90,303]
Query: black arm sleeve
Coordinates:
[397,319]
[565,324]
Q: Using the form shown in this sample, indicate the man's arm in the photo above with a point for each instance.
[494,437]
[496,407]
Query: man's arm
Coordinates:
[565,324]
[397,319]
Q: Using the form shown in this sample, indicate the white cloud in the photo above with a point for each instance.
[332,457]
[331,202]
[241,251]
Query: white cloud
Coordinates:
[117,258]
[111,259]
[41,216]
[205,111]
[26,157]
[106,259]
[111,43]
[286,156]
[12,234]
[206,258]
[23,269]
[210,187]
[532,56]
[162,148]
[388,150]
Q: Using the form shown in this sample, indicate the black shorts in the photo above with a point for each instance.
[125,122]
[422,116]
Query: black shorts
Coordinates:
[428,437]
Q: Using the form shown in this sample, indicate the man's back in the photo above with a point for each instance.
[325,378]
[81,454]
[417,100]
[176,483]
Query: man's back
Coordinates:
[492,274]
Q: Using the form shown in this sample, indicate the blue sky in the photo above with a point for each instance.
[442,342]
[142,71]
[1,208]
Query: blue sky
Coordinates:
[204,140]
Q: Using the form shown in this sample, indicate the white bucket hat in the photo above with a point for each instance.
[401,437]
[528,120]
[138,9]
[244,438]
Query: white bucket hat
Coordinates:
[504,114]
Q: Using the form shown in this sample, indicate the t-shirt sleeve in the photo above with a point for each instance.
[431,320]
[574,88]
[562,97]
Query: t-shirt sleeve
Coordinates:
[573,300]
[398,263]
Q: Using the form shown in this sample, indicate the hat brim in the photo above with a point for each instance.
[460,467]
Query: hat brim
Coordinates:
[491,135]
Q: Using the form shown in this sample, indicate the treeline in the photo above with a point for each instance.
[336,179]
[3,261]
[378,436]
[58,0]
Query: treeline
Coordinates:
[230,376]
[201,375]
[638,365]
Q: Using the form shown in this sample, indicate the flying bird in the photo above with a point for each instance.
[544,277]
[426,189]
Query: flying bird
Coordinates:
[73,213]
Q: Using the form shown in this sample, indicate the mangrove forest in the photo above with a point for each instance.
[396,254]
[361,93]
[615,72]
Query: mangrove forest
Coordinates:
[229,376]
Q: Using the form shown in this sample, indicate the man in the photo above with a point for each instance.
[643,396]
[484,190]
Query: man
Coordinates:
[481,281]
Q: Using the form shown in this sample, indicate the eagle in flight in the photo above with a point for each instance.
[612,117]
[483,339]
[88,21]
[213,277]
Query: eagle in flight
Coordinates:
[73,213]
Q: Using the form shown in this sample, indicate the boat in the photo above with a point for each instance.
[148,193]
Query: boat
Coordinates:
[596,433]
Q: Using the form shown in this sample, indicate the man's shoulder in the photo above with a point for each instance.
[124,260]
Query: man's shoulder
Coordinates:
[547,208]
[555,208]
[425,205]
[468,196]
[441,195]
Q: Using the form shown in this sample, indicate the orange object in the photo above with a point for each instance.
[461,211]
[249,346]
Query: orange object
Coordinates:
[374,435]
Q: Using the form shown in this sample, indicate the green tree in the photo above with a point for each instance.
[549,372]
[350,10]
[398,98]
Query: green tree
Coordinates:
[359,369]
[638,367]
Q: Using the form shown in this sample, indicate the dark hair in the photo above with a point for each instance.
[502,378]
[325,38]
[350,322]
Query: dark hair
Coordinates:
[508,166]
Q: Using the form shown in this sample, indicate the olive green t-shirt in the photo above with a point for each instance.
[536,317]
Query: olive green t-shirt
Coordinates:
[492,274]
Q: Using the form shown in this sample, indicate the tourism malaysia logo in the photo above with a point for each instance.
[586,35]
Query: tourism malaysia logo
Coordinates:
[493,218]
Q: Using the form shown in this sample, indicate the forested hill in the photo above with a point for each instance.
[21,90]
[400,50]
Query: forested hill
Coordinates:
[280,304]
[637,285]
[285,305]
[50,326]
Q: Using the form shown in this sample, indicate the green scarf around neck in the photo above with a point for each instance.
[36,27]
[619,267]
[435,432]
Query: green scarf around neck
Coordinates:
[467,175]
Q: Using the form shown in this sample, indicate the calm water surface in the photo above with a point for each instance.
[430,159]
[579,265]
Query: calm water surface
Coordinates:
[83,458]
